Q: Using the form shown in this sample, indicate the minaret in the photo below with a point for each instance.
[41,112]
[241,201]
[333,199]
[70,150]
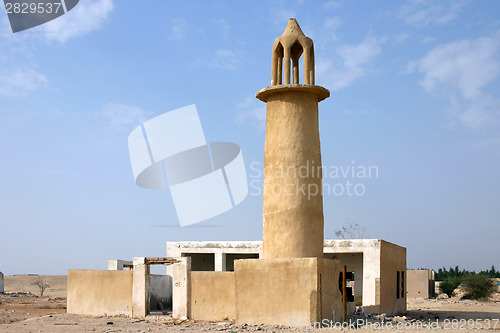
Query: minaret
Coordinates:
[292,282]
[293,200]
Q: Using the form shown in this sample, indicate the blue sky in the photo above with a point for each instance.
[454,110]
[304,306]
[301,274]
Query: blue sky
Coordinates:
[415,92]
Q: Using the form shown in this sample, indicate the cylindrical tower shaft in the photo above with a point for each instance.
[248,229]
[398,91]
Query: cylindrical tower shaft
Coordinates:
[293,203]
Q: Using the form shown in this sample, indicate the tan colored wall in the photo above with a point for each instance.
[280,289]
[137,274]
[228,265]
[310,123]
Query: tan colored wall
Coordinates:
[99,292]
[418,284]
[392,259]
[213,296]
[286,291]
[330,293]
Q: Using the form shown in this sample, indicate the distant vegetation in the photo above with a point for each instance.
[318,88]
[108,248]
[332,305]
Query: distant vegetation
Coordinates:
[476,285]
[443,273]
[41,285]
[351,230]
[449,284]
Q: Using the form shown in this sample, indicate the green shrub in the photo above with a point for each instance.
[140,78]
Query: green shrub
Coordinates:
[449,284]
[478,286]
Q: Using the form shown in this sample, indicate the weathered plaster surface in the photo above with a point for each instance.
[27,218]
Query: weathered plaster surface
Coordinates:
[213,296]
[281,291]
[420,283]
[99,292]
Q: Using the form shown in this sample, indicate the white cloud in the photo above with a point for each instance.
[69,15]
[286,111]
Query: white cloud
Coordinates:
[332,4]
[357,55]
[356,60]
[253,110]
[460,71]
[425,12]
[466,65]
[18,82]
[87,16]
[282,15]
[124,117]
[428,40]
[226,59]
[402,37]
[179,28]
[490,143]
[222,59]
[326,33]
[225,28]
[332,23]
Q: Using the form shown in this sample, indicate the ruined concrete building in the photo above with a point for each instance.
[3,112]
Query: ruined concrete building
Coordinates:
[421,283]
[377,267]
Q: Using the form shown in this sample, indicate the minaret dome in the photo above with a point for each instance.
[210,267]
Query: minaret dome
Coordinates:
[287,49]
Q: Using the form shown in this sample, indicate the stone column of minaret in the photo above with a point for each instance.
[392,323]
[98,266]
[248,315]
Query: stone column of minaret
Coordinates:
[293,200]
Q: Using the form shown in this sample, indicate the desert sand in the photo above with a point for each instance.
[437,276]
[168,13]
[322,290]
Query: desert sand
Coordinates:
[23,310]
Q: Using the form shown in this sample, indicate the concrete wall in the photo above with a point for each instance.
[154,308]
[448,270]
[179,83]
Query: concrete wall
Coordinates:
[1,283]
[370,248]
[437,289]
[432,284]
[331,304]
[420,283]
[286,291]
[118,265]
[99,292]
[232,257]
[213,296]
[181,288]
[219,249]
[392,261]
[160,287]
[201,261]
[363,256]
[354,263]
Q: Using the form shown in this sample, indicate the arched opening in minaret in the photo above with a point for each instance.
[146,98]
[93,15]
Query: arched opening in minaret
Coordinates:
[278,63]
[295,53]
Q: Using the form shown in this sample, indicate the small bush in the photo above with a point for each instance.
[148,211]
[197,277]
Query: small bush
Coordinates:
[41,285]
[449,284]
[478,286]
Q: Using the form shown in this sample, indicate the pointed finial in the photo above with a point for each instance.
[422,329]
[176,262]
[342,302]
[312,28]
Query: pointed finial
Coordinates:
[293,28]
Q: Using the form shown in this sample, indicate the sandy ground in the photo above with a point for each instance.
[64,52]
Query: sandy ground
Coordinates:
[24,283]
[22,310]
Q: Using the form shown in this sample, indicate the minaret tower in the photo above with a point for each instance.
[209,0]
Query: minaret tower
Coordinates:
[293,200]
[293,282]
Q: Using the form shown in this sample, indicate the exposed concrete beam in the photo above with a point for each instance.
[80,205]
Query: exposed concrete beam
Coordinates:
[160,261]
